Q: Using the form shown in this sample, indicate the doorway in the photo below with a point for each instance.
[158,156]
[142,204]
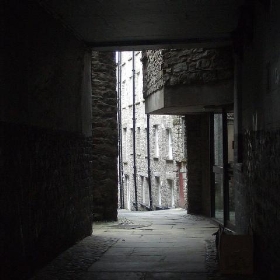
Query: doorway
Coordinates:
[222,136]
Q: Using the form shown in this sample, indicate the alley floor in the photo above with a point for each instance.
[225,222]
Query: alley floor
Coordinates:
[166,244]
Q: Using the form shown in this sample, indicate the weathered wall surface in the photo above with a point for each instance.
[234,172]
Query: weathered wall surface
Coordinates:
[46,195]
[44,66]
[165,68]
[163,170]
[258,185]
[105,133]
[261,180]
[152,74]
[196,66]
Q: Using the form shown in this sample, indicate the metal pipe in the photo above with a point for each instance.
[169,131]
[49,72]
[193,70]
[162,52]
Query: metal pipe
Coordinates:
[134,127]
[119,115]
[149,161]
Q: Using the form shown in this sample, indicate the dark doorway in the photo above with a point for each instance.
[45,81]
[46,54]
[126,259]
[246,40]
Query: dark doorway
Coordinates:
[223,207]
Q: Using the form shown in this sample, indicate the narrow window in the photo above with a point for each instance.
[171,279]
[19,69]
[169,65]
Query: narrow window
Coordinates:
[143,190]
[156,142]
[158,187]
[138,141]
[127,192]
[171,189]
[169,139]
[124,144]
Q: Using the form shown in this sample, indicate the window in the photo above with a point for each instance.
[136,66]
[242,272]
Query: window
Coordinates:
[124,144]
[146,133]
[171,189]
[169,145]
[130,91]
[124,93]
[139,86]
[156,142]
[143,190]
[131,142]
[138,141]
[158,188]
[127,188]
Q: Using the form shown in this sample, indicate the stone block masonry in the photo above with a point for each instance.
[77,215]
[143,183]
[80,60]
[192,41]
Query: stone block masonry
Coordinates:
[170,68]
[105,141]
[46,184]
[46,195]
[260,188]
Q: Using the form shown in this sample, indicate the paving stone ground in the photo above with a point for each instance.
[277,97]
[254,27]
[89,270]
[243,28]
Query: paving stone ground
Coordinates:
[166,244]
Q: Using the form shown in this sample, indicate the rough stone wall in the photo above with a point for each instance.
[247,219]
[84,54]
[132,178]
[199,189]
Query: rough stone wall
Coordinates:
[258,98]
[196,66]
[152,74]
[43,70]
[104,131]
[167,68]
[46,195]
[161,167]
[198,181]
[261,178]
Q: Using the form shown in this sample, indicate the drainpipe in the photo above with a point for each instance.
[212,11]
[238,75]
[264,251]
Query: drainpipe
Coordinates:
[149,161]
[134,130]
[120,132]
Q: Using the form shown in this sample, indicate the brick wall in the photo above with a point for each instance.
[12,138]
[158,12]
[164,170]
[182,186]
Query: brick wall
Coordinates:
[104,130]
[46,195]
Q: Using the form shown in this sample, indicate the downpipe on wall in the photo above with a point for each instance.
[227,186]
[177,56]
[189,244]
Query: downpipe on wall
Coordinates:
[134,127]
[149,162]
[119,103]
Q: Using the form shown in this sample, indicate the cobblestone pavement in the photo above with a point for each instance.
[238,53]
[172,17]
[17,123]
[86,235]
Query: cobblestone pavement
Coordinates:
[74,262]
[79,261]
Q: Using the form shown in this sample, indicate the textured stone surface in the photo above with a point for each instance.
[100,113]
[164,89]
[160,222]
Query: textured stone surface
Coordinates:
[262,178]
[168,68]
[104,131]
[46,194]
[161,167]
[43,70]
[166,247]
[152,74]
[73,263]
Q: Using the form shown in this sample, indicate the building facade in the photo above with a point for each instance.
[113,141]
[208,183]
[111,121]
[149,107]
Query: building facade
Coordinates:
[160,169]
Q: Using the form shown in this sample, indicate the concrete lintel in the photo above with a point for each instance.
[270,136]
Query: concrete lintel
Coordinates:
[154,101]
[199,95]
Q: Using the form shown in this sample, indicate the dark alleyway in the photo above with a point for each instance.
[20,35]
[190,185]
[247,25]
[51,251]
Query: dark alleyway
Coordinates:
[168,244]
